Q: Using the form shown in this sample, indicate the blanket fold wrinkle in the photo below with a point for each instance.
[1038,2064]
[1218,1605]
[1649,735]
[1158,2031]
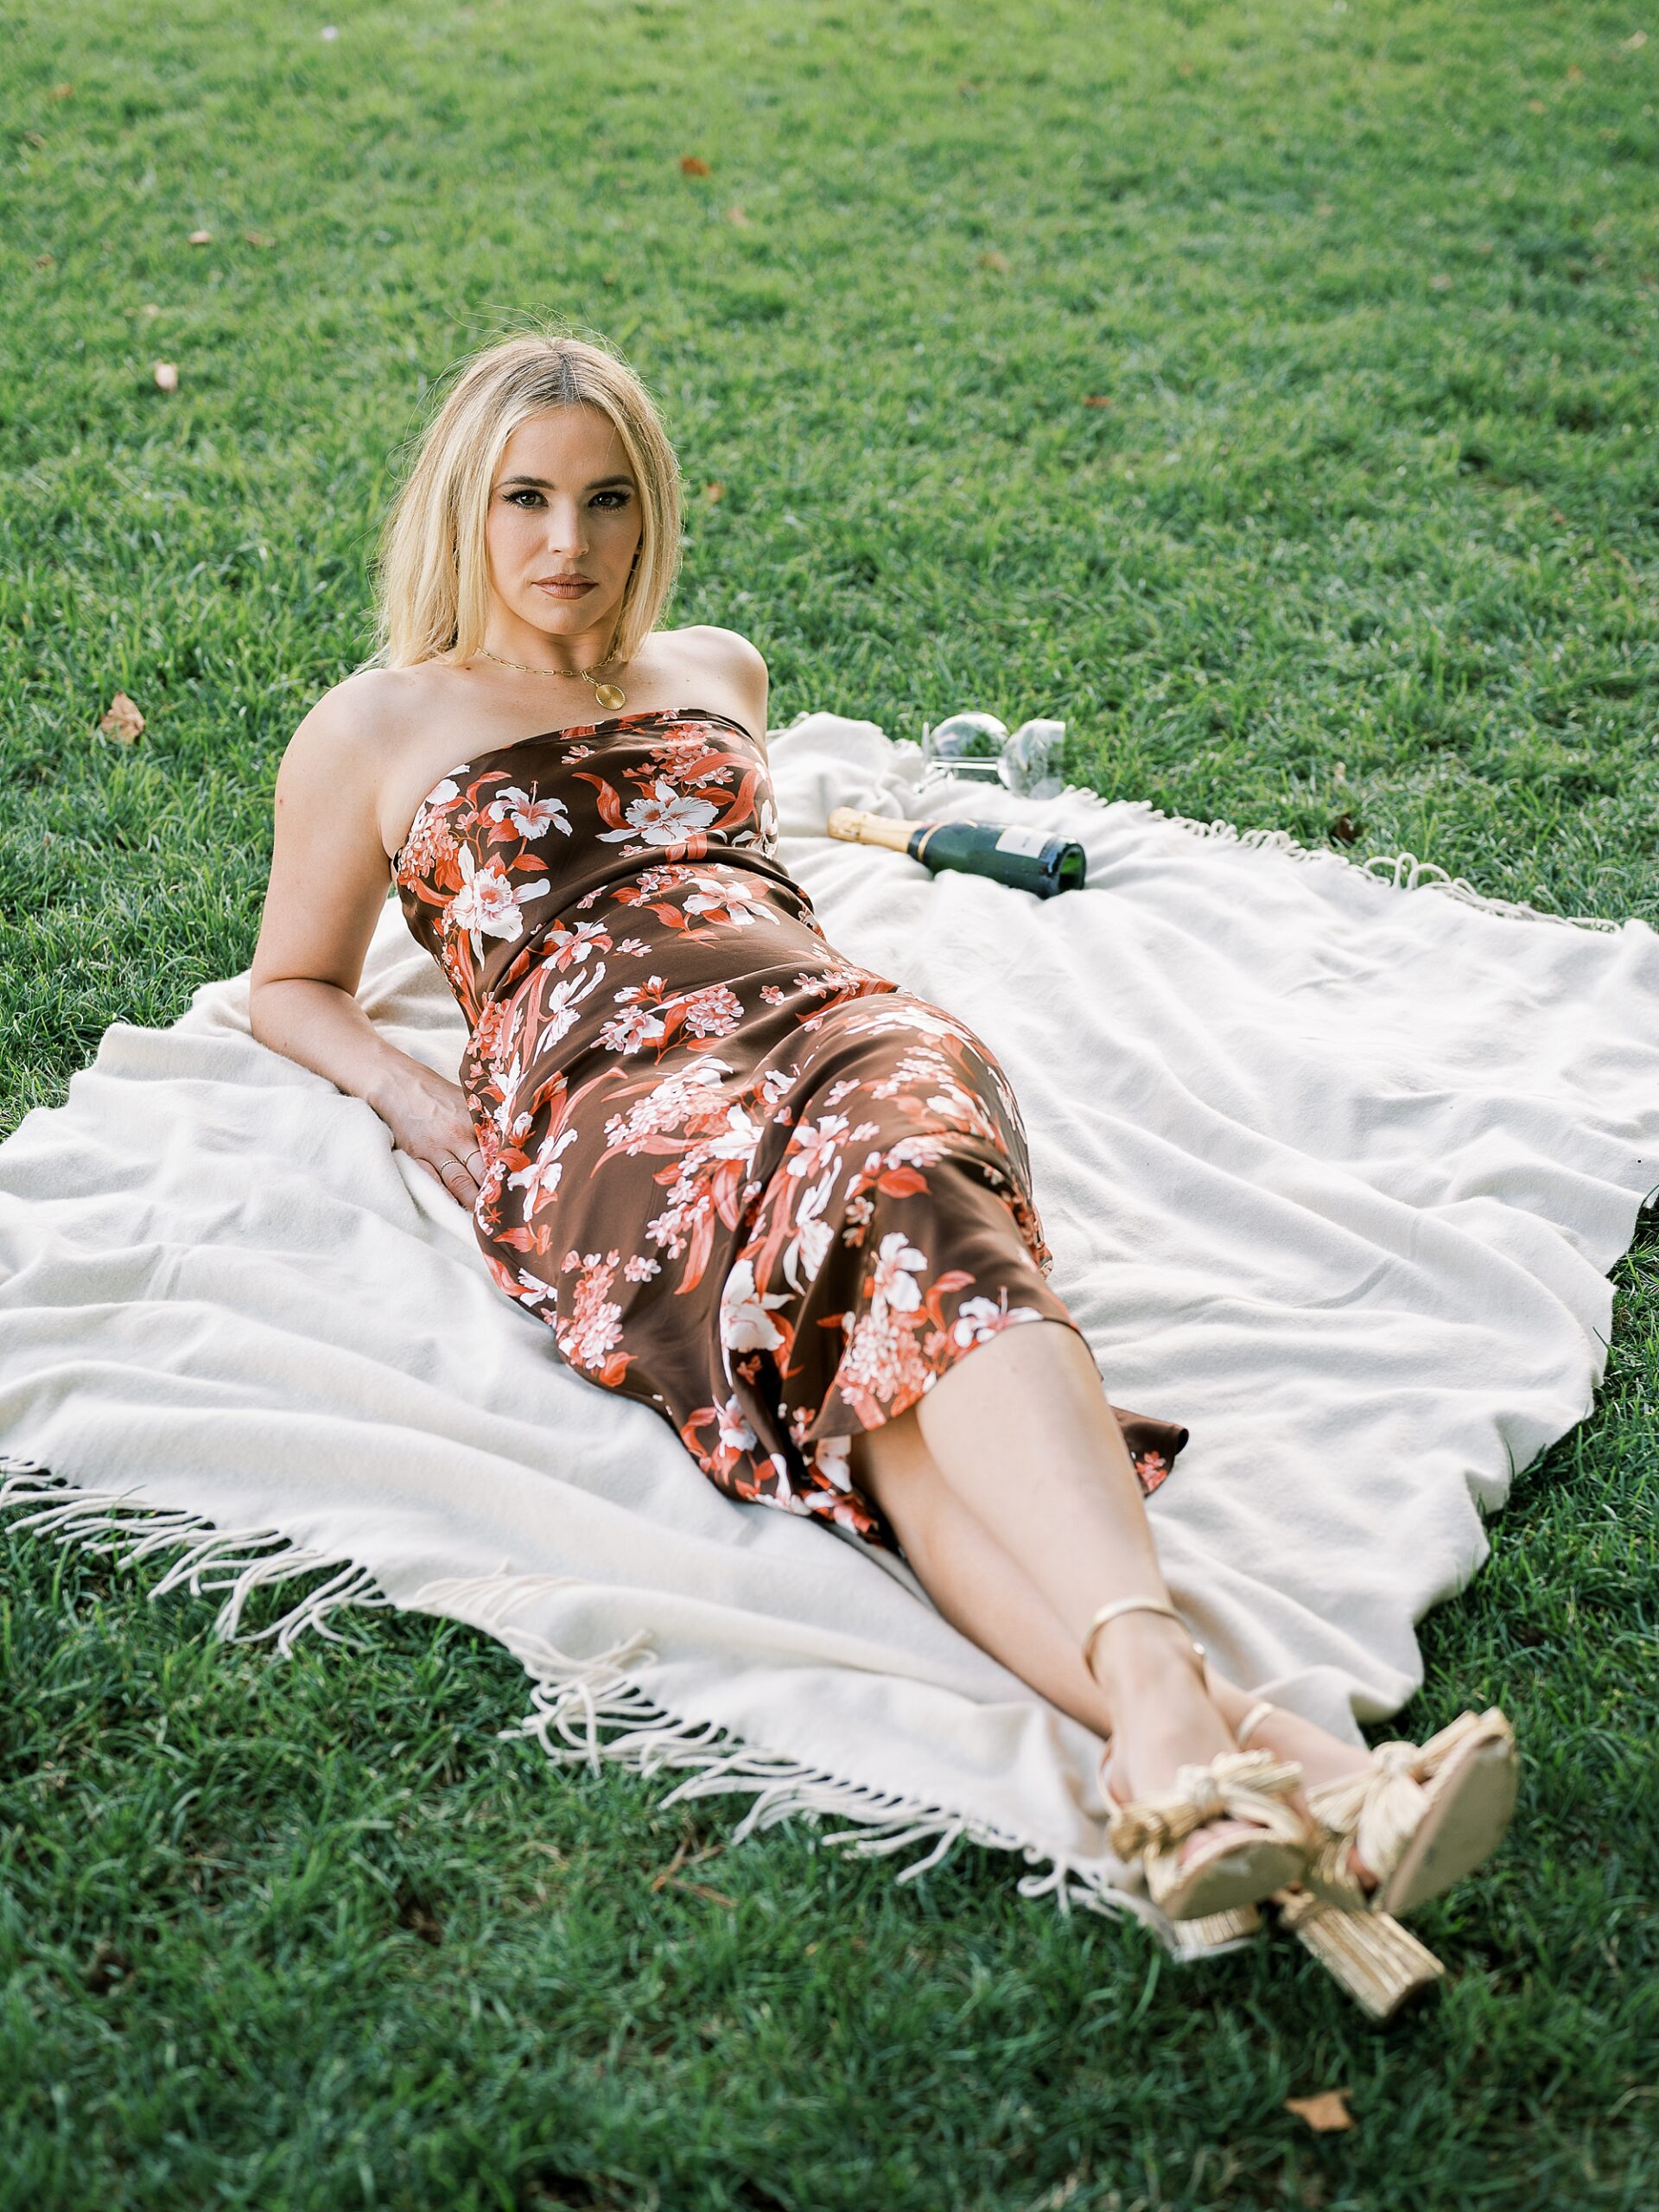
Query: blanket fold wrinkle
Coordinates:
[1335,1159]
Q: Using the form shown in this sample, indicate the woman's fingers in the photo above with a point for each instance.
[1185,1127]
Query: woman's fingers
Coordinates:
[462,1176]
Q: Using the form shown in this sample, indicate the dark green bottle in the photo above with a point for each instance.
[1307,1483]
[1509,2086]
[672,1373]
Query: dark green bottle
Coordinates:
[1030,860]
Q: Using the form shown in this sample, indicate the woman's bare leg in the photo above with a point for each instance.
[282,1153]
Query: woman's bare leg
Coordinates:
[977,1483]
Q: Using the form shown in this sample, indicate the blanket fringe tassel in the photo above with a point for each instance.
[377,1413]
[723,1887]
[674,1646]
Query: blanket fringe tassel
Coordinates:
[1402,871]
[572,1700]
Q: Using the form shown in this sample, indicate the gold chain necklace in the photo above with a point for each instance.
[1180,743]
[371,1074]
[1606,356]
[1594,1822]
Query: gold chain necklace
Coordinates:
[608,695]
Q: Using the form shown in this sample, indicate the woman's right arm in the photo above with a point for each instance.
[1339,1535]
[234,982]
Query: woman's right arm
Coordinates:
[328,877]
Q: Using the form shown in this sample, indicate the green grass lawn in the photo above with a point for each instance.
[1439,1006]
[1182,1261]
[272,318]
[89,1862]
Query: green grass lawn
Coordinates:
[1364,526]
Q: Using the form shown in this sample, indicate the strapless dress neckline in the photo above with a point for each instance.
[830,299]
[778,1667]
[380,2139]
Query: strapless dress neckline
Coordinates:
[543,736]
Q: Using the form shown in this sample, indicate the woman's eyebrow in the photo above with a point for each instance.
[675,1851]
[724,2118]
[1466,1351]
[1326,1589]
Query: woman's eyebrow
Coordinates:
[541,484]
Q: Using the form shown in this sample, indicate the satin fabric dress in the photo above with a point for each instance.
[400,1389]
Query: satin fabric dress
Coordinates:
[740,1178]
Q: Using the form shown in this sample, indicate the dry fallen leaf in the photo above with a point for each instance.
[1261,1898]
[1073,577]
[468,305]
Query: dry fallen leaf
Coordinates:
[1325,2113]
[1575,75]
[45,261]
[694,165]
[1345,830]
[1636,41]
[1534,107]
[1183,68]
[62,92]
[992,259]
[123,722]
[1098,399]
[713,492]
[737,215]
[33,138]
[258,237]
[201,238]
[167,376]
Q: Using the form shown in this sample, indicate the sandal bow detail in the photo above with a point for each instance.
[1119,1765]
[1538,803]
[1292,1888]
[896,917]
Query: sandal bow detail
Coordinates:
[1421,1816]
[1248,1786]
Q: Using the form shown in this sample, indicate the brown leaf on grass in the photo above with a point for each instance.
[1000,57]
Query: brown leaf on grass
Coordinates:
[1636,41]
[737,215]
[1575,75]
[199,238]
[1098,399]
[992,259]
[694,165]
[1345,830]
[33,138]
[1324,2113]
[1534,107]
[1183,68]
[167,376]
[45,261]
[258,237]
[123,722]
[62,92]
[712,492]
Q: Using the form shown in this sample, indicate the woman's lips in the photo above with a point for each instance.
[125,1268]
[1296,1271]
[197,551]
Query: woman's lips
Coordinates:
[557,590]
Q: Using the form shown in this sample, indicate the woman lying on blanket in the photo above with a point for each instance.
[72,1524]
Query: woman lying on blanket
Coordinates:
[742,1179]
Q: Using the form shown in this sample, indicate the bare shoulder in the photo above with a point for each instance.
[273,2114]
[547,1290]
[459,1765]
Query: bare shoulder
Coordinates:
[358,713]
[732,667]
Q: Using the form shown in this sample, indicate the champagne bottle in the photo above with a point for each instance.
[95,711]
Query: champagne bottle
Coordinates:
[1030,860]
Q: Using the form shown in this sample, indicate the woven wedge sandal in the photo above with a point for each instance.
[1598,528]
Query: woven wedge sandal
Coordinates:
[1421,1816]
[1249,1787]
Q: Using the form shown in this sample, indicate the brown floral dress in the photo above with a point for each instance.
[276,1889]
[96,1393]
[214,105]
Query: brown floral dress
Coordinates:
[741,1178]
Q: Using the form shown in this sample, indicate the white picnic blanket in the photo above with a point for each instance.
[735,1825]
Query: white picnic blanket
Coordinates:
[1334,1170]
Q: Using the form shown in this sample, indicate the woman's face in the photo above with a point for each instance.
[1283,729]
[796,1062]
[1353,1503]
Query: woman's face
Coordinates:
[563,504]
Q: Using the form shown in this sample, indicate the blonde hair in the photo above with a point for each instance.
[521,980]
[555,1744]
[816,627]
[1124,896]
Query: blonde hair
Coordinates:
[434,580]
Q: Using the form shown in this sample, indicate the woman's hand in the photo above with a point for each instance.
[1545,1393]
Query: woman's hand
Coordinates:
[429,1120]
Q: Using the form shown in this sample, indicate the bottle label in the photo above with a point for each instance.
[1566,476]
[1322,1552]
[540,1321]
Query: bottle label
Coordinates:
[1014,840]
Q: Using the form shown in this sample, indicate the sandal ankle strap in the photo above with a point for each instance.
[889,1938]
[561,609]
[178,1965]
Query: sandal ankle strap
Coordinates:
[1252,1720]
[1129,1605]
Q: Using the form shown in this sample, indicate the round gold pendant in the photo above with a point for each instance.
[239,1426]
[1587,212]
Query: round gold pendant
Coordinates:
[610,695]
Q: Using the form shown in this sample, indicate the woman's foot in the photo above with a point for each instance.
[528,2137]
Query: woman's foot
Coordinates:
[1322,1757]
[1164,1719]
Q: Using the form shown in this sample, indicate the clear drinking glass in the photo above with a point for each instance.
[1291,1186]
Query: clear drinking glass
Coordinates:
[1030,760]
[966,745]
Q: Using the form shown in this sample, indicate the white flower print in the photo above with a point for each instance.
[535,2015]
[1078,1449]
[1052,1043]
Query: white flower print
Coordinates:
[529,817]
[813,1146]
[715,1011]
[634,1028]
[488,902]
[745,1324]
[895,1286]
[813,1237]
[979,1319]
[542,1173]
[667,818]
[563,1002]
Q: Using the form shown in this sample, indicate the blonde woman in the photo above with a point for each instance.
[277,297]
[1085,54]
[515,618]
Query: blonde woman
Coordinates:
[740,1177]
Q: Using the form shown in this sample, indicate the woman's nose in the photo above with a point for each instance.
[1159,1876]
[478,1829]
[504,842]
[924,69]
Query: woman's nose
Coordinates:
[565,533]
